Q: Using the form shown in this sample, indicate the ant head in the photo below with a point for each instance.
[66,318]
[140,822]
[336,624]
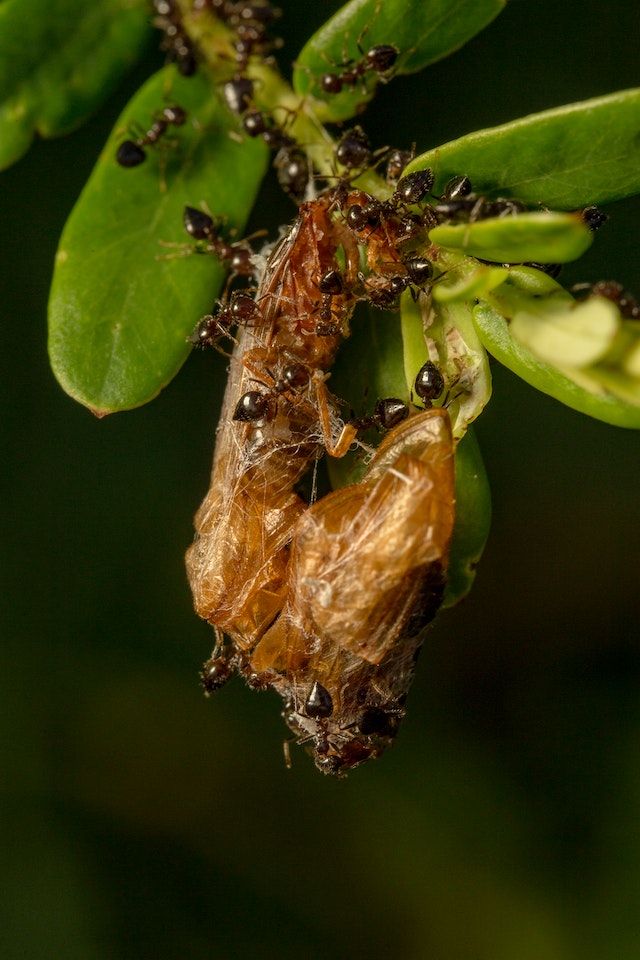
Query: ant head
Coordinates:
[344,730]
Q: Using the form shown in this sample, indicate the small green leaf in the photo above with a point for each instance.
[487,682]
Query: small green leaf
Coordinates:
[543,237]
[577,335]
[59,60]
[566,158]
[473,519]
[118,315]
[465,279]
[423,31]
[580,391]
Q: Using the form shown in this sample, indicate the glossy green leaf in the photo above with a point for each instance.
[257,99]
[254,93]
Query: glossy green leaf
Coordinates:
[566,158]
[473,519]
[589,396]
[119,316]
[59,60]
[542,236]
[578,335]
[422,30]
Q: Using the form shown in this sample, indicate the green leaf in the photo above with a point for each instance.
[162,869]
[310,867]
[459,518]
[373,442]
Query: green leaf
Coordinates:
[59,60]
[578,154]
[589,396]
[118,315]
[543,237]
[465,279]
[473,519]
[422,30]
[577,335]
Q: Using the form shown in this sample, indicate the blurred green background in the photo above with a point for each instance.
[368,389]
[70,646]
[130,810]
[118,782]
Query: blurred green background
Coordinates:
[141,821]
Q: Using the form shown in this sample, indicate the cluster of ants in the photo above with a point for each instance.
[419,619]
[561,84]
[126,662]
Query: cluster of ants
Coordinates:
[249,22]
[255,570]
[388,227]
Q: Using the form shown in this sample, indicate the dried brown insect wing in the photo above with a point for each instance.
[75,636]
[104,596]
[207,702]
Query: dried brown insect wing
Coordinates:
[237,565]
[366,575]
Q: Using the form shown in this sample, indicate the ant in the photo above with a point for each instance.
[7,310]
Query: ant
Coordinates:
[256,405]
[131,153]
[593,218]
[429,383]
[397,160]
[330,285]
[292,170]
[216,671]
[201,226]
[254,123]
[291,164]
[175,40]
[241,310]
[379,60]
[249,20]
[385,290]
[411,189]
[238,94]
[354,149]
[460,204]
[387,413]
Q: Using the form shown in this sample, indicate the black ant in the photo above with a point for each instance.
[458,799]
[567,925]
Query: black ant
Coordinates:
[254,123]
[175,40]
[292,170]
[131,152]
[411,189]
[211,329]
[379,60]
[249,20]
[593,218]
[330,285]
[290,163]
[459,203]
[383,291]
[456,188]
[216,671]
[257,405]
[397,161]
[429,383]
[354,149]
[238,94]
[387,413]
[201,226]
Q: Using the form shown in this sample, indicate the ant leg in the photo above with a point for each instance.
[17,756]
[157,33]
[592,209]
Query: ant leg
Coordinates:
[348,433]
